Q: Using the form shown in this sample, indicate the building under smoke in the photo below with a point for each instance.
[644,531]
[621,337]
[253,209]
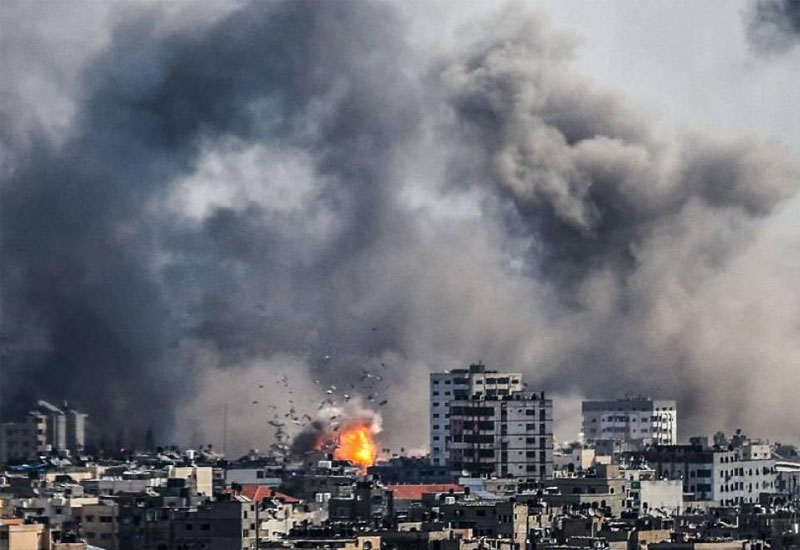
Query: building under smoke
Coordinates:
[639,421]
[446,387]
[44,429]
[484,423]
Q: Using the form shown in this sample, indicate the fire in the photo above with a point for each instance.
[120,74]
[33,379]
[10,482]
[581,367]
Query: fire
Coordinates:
[357,446]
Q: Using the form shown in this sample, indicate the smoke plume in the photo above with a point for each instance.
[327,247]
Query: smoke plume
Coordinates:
[773,26]
[315,190]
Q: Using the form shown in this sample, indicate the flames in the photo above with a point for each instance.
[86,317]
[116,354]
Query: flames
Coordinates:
[356,445]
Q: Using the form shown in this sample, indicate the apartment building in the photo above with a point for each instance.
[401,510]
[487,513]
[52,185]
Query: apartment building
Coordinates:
[508,435]
[727,477]
[445,387]
[43,429]
[632,419]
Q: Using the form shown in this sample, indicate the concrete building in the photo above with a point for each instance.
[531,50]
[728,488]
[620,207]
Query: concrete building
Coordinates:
[99,524]
[507,435]
[647,492]
[15,535]
[496,520]
[407,469]
[446,387]
[370,503]
[199,477]
[606,488]
[633,419]
[43,429]
[727,477]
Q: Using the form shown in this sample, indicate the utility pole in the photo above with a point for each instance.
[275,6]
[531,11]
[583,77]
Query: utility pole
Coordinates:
[224,428]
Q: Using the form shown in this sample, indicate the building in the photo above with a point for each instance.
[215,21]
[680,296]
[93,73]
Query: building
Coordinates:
[633,419]
[727,477]
[506,435]
[99,524]
[43,429]
[493,519]
[371,503]
[647,492]
[16,535]
[446,387]
[407,469]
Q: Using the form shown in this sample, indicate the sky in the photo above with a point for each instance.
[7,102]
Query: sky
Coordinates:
[236,207]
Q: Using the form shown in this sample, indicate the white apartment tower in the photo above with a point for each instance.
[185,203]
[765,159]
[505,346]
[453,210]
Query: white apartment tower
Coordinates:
[445,387]
[631,419]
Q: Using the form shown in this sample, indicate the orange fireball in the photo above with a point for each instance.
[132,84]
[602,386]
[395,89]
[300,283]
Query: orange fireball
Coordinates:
[357,446]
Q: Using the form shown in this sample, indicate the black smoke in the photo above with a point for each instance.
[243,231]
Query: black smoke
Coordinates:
[304,187]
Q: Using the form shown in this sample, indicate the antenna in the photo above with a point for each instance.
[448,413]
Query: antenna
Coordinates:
[224,428]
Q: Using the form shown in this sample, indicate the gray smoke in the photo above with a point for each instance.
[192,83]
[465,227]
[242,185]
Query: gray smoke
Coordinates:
[308,188]
[773,26]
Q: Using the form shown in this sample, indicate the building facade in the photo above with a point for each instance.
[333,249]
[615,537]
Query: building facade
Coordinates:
[445,387]
[43,429]
[727,477]
[509,435]
[634,419]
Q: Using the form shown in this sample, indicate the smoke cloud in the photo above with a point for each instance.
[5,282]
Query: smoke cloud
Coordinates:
[773,26]
[318,191]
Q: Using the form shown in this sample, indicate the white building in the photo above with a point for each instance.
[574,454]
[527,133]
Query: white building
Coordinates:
[461,384]
[727,477]
[634,419]
[646,491]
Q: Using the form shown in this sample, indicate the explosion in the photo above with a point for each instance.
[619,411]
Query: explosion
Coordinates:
[356,445]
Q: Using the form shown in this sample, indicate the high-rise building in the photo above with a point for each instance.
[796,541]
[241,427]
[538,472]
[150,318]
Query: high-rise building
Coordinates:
[508,435]
[632,419]
[43,429]
[461,384]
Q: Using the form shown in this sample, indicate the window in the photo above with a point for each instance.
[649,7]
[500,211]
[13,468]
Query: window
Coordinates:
[436,415]
[259,475]
[205,527]
[189,527]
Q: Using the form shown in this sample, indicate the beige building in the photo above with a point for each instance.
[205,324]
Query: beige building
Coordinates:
[16,535]
[201,477]
[99,524]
